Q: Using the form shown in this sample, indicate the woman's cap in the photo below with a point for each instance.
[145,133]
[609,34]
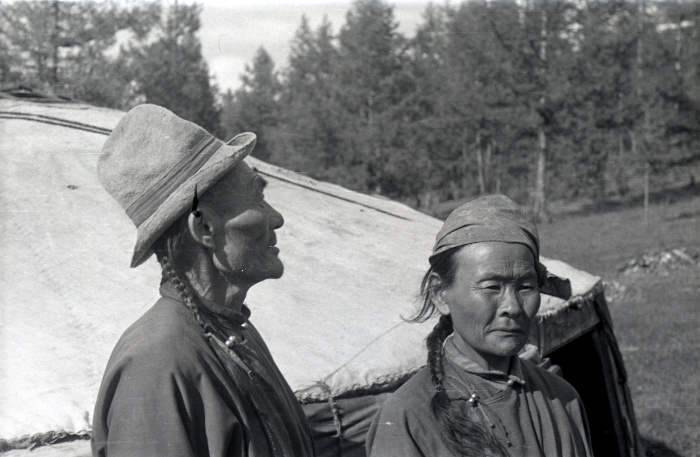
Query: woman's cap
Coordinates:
[487,218]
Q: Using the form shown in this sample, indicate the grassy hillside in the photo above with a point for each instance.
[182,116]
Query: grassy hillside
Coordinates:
[655,314]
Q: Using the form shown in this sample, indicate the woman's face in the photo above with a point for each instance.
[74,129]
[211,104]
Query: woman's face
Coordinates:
[492,301]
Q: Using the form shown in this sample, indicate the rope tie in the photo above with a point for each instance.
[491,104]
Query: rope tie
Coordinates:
[337,422]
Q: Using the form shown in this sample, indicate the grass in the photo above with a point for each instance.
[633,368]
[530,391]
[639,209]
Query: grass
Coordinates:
[655,316]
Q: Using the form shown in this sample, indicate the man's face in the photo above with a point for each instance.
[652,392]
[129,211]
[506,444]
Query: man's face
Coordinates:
[245,228]
[492,301]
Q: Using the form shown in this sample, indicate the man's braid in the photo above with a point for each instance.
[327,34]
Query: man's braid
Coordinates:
[185,293]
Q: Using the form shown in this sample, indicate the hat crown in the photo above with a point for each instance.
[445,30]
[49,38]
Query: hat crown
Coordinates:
[152,163]
[147,143]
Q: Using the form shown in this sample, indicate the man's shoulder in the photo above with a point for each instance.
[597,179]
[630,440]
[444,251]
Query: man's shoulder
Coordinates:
[166,337]
[167,321]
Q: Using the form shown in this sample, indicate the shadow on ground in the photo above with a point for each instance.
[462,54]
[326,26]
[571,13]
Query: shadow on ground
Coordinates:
[656,448]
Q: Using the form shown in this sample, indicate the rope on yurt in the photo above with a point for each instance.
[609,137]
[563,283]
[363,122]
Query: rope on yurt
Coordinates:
[105,131]
[54,121]
[279,177]
[41,439]
[337,423]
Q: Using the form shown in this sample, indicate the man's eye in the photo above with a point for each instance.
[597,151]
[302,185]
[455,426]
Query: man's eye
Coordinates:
[492,287]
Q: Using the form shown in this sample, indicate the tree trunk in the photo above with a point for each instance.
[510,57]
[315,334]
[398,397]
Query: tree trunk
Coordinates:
[55,45]
[539,208]
[642,144]
[621,165]
[455,189]
[679,53]
[464,170]
[375,154]
[487,165]
[679,45]
[646,193]
[481,172]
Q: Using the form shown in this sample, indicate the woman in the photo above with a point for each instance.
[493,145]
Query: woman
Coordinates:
[476,397]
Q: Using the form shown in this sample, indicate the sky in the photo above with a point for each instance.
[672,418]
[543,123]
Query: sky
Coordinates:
[232,31]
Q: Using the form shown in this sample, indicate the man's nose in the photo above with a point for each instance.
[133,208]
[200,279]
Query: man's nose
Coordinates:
[276,219]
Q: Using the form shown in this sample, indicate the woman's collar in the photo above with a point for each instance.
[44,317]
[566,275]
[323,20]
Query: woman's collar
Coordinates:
[453,354]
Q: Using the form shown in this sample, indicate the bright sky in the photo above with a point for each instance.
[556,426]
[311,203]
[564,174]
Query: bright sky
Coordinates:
[232,31]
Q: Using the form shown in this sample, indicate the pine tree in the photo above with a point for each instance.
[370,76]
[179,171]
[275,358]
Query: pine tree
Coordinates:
[59,47]
[70,49]
[372,84]
[255,106]
[170,71]
[308,137]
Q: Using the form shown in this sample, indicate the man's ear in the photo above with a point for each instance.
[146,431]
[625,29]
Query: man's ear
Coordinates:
[436,289]
[202,228]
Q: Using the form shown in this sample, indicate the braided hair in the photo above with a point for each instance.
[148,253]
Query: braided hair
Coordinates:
[462,435]
[168,249]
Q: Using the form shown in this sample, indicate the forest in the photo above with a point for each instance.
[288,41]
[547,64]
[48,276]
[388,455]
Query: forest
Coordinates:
[550,102]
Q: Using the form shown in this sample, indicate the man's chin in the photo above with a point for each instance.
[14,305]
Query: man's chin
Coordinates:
[274,272]
[255,275]
[277,274]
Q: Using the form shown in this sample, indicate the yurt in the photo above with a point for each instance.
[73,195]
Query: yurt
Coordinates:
[335,322]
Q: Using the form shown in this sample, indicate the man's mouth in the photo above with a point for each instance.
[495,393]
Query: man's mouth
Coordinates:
[272,244]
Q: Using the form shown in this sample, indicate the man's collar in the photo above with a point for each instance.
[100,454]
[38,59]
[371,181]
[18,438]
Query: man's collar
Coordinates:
[168,290]
[514,376]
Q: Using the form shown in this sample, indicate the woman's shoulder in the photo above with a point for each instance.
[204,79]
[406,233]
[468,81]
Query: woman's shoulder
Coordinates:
[405,425]
[539,378]
[413,396]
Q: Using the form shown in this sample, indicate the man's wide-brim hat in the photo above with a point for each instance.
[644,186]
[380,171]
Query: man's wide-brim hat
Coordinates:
[152,162]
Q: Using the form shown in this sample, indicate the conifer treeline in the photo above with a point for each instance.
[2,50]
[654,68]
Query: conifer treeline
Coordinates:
[539,99]
[110,54]
[542,100]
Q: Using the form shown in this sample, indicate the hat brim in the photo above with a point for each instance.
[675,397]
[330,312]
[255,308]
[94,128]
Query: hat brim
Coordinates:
[180,201]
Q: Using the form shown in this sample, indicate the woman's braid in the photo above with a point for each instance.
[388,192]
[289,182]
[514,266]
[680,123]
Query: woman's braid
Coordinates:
[463,435]
[434,343]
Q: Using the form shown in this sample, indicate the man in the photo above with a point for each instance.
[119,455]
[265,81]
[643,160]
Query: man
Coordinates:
[192,376]
[476,396]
